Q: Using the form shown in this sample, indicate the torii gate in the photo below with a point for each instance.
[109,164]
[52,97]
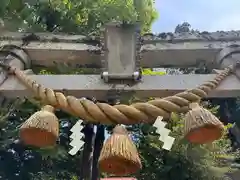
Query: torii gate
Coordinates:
[184,51]
[120,56]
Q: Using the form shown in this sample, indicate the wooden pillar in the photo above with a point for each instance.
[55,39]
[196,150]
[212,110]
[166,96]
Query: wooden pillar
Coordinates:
[99,140]
[87,154]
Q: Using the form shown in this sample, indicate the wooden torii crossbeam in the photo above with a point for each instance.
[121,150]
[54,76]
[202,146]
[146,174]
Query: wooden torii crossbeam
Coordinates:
[93,85]
[183,50]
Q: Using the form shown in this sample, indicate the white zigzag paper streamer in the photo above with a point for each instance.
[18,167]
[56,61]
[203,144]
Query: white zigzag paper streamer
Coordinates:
[76,137]
[164,133]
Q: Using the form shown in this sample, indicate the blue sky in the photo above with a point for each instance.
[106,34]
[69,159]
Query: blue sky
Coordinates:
[209,15]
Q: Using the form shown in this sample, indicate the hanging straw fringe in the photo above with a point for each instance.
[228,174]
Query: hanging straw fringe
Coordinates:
[119,155]
[201,126]
[41,129]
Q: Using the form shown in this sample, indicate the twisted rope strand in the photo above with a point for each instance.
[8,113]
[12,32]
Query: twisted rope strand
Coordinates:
[120,114]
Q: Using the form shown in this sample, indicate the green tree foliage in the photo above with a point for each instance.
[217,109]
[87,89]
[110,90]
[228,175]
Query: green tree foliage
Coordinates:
[21,162]
[185,161]
[75,16]
[148,71]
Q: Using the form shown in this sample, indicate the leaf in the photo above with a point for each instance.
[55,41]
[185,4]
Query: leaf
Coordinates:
[56,152]
[148,71]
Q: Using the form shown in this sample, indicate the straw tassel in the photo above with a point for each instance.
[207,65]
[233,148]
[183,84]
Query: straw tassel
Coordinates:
[119,155]
[41,129]
[201,126]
